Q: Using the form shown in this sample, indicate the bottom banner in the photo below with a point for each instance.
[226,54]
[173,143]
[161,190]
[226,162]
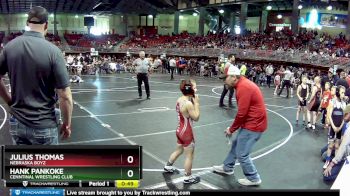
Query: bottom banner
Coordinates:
[140,192]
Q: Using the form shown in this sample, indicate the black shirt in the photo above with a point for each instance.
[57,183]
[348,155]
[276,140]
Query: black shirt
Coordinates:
[324,80]
[342,82]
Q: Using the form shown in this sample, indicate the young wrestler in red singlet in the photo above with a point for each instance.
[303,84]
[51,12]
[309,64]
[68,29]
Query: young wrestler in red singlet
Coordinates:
[187,108]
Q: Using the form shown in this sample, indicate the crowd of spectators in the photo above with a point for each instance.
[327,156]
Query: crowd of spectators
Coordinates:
[311,42]
[55,39]
[85,64]
[101,42]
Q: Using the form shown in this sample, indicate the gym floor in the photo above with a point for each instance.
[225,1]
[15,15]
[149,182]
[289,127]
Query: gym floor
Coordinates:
[107,112]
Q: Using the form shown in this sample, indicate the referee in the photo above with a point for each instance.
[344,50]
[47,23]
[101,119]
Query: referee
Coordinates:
[142,67]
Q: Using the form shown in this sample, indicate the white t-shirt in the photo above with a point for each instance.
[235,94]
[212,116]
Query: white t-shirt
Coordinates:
[172,63]
[287,75]
[269,70]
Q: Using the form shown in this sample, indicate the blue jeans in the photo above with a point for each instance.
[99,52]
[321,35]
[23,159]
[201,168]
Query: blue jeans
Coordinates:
[335,171]
[240,149]
[24,135]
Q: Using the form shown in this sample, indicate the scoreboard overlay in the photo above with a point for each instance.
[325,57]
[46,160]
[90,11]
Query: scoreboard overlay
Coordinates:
[72,166]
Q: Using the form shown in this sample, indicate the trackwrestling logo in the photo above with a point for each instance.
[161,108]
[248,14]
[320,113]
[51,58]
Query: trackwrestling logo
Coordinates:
[17,192]
[25,183]
[36,192]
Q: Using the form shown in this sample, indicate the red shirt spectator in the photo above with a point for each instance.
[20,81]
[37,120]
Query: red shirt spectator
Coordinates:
[251,113]
[348,79]
[327,96]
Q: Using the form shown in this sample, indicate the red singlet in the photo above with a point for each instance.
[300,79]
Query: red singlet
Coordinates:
[184,132]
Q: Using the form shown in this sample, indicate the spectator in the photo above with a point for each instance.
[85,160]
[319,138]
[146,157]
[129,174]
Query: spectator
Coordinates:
[31,58]
[251,120]
[342,80]
[334,167]
[269,72]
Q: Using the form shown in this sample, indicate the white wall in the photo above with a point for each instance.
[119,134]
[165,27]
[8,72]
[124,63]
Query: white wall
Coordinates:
[252,23]
[189,23]
[117,22]
[69,23]
[66,22]
[166,24]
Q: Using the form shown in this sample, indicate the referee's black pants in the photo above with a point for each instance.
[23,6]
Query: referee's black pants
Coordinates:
[142,77]
[286,83]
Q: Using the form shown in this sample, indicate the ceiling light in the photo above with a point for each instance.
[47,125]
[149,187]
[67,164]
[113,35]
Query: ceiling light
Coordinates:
[221,11]
[329,7]
[279,16]
[300,7]
[195,14]
[269,7]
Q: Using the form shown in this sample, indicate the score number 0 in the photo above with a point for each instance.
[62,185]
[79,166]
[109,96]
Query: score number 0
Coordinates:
[130,173]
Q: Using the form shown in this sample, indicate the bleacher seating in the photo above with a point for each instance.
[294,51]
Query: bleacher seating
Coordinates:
[92,41]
